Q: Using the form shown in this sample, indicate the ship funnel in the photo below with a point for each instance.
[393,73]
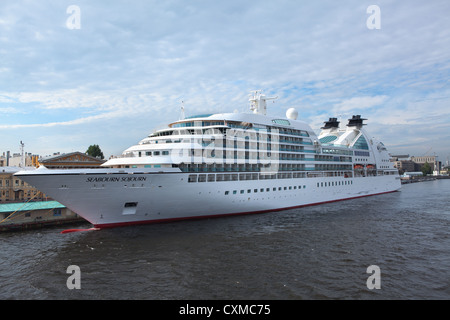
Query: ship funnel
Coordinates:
[331,123]
[356,121]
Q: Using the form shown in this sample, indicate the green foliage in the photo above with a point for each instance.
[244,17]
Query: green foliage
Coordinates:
[95,151]
[426,169]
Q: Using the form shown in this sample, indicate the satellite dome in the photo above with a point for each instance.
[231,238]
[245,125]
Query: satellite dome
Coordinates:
[292,114]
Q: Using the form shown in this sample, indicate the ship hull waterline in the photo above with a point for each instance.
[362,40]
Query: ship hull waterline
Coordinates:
[110,198]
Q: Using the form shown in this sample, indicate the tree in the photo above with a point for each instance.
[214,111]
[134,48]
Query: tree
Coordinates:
[95,151]
[426,169]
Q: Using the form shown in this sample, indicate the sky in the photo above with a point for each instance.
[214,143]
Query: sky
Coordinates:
[81,72]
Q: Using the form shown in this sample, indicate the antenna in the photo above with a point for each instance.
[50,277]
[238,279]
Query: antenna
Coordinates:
[182,116]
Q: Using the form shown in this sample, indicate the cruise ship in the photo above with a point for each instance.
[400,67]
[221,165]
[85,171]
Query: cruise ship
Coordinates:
[225,164]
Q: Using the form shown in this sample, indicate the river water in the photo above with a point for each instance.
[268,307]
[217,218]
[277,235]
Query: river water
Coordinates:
[317,252]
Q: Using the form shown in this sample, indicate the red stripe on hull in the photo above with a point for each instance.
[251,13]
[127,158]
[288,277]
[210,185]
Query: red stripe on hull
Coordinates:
[124,224]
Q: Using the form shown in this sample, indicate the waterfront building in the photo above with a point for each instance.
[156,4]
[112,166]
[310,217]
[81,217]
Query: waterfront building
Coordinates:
[16,160]
[431,160]
[19,216]
[414,164]
[13,189]
[405,165]
[70,161]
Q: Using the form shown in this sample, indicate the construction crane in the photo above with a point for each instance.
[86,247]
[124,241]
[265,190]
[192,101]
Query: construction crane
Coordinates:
[427,151]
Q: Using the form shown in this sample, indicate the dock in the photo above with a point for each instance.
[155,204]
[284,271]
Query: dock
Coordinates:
[422,179]
[31,215]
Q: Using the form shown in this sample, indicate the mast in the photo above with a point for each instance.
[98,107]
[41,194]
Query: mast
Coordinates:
[258,102]
[182,116]
[22,160]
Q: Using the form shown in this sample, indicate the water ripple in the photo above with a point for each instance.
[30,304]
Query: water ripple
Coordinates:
[319,252]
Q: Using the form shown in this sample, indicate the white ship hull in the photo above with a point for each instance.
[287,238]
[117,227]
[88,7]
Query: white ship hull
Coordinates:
[113,197]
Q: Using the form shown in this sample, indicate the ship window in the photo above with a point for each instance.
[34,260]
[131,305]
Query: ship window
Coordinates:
[130,204]
[165,153]
[328,139]
[242,191]
[234,191]
[361,143]
[227,192]
[192,178]
[282,122]
[156,153]
[148,153]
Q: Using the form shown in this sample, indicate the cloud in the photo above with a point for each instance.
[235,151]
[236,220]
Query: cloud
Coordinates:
[131,64]
[10,110]
[358,104]
[53,124]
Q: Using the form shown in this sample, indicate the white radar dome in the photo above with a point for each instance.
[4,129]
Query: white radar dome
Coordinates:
[292,114]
